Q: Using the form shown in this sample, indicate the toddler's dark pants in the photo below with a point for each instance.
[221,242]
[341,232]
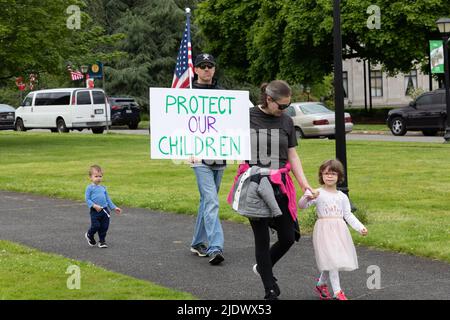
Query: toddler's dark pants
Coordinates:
[99,223]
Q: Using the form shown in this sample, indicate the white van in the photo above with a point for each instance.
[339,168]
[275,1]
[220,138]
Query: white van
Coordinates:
[61,110]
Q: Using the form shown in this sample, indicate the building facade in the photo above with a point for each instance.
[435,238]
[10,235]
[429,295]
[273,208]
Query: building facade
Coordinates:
[385,91]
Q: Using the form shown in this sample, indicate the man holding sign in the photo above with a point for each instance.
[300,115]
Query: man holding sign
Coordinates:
[194,125]
[208,228]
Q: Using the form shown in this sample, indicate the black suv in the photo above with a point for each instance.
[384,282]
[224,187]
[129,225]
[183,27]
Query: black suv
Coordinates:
[427,114]
[124,111]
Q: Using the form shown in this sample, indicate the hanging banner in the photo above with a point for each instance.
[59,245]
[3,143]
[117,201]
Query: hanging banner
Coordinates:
[205,124]
[96,70]
[437,56]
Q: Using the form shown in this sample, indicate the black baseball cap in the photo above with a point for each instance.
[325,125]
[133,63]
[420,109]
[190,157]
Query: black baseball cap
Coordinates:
[204,58]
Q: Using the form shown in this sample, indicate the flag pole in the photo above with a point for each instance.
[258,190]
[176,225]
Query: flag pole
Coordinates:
[188,22]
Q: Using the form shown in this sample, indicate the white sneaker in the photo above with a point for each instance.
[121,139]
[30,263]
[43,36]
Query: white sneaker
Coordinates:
[255,270]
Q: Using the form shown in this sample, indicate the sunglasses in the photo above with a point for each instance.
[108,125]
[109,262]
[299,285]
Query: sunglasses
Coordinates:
[206,65]
[281,106]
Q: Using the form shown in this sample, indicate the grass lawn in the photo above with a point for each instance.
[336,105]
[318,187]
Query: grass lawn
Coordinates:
[402,188]
[28,274]
[370,127]
[144,124]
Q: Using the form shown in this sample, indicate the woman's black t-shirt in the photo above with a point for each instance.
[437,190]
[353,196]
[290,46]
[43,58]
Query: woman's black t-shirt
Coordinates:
[271,137]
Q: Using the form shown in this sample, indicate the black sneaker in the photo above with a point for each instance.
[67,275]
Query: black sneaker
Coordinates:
[216,258]
[91,241]
[271,295]
[276,288]
[102,245]
[200,250]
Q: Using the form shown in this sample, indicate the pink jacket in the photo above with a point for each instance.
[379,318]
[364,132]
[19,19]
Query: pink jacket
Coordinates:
[275,178]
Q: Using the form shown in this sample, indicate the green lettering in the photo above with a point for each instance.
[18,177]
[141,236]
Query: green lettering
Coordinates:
[173,145]
[203,103]
[159,146]
[181,103]
[186,149]
[229,103]
[198,142]
[209,142]
[221,111]
[212,104]
[237,146]
[172,103]
[223,140]
[194,111]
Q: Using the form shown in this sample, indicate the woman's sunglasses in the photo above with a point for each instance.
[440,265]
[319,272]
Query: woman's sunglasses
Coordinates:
[281,106]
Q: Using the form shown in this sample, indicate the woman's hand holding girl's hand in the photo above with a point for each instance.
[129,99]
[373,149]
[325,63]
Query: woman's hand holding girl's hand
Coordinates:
[311,193]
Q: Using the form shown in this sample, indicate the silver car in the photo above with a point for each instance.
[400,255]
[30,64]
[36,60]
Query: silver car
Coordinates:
[313,119]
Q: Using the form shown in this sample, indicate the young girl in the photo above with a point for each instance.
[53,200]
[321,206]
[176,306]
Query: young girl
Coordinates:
[333,244]
[99,204]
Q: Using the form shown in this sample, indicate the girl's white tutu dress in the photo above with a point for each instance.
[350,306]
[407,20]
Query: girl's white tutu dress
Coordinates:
[333,244]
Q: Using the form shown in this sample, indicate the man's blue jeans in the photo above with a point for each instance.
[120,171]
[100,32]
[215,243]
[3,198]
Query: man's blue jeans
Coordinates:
[208,229]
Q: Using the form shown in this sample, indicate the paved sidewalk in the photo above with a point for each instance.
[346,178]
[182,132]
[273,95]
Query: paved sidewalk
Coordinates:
[154,246]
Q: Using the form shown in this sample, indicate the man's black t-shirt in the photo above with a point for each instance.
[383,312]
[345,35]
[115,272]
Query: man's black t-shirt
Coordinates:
[268,132]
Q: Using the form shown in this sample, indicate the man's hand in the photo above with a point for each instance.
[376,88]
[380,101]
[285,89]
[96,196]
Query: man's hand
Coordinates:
[118,210]
[97,207]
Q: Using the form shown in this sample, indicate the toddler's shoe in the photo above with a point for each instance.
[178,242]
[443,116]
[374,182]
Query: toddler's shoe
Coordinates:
[102,245]
[91,241]
[340,296]
[323,292]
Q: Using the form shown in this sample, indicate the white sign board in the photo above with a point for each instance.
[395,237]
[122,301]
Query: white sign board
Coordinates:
[205,124]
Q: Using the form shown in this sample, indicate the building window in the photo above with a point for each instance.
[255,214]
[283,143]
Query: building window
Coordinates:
[410,82]
[345,78]
[376,83]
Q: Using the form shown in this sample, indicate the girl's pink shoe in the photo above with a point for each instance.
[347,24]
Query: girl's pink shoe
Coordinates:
[323,292]
[340,296]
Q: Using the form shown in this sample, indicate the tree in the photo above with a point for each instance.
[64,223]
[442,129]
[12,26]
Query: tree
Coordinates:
[153,30]
[260,40]
[36,37]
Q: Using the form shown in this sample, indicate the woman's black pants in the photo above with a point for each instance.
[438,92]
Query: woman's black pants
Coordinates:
[266,256]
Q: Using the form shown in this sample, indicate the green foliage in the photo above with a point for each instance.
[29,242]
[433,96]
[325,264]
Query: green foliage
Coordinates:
[259,41]
[153,31]
[35,38]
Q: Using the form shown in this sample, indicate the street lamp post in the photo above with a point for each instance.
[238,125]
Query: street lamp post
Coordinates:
[308,91]
[84,71]
[444,28]
[341,148]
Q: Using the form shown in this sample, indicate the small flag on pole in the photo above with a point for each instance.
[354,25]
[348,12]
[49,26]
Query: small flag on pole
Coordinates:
[184,70]
[75,75]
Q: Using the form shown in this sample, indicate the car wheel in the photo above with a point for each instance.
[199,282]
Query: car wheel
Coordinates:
[19,125]
[430,132]
[332,137]
[54,130]
[61,126]
[98,130]
[398,126]
[133,125]
[299,133]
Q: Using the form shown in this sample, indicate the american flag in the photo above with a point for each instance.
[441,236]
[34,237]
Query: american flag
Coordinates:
[184,70]
[75,75]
